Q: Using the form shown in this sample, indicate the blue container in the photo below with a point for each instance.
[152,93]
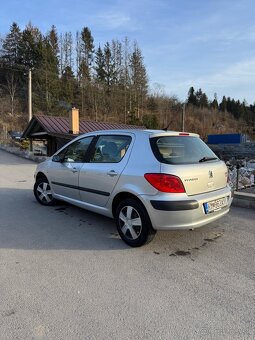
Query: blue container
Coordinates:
[231,138]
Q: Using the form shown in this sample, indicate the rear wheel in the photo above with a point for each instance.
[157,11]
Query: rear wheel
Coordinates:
[133,223]
[43,192]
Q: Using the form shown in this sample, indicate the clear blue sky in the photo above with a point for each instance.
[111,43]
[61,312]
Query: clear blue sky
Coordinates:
[200,43]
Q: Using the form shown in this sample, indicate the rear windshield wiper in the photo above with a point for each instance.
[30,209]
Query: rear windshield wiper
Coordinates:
[206,159]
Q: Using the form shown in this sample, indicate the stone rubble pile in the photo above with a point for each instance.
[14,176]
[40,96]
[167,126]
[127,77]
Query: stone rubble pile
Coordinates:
[245,175]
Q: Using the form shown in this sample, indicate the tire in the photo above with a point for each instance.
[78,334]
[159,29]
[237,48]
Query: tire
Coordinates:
[133,223]
[43,193]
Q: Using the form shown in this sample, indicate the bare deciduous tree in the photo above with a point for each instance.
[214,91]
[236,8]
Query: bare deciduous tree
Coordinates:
[11,87]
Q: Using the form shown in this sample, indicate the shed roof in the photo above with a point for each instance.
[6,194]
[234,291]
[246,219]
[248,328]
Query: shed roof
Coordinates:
[40,126]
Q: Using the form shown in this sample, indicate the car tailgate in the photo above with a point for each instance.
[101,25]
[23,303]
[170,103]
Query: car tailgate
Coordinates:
[199,178]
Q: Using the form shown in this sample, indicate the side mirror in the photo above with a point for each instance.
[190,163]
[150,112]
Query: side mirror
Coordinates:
[58,158]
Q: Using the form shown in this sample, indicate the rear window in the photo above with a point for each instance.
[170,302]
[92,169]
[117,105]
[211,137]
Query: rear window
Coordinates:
[181,150]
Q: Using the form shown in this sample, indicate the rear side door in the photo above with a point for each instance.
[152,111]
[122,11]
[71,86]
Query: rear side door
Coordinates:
[100,174]
[64,172]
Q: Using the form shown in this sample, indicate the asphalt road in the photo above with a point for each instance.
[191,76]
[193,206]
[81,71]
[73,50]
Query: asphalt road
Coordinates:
[65,274]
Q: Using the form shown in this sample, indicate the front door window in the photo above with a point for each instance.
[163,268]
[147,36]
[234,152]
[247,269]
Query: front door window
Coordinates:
[75,152]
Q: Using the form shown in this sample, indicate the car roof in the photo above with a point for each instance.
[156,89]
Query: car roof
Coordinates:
[147,132]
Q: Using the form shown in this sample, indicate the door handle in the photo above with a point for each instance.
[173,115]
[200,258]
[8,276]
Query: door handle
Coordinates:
[74,170]
[112,173]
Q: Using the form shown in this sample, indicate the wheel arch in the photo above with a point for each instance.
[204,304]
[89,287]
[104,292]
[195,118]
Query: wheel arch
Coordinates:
[146,231]
[40,175]
[120,197]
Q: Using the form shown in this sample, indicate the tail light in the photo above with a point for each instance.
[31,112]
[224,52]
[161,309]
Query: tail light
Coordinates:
[165,182]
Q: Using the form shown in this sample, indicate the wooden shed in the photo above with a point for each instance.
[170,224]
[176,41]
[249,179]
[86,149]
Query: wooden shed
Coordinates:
[55,132]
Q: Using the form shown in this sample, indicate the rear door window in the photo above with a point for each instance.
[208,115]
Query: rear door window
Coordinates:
[181,150]
[110,149]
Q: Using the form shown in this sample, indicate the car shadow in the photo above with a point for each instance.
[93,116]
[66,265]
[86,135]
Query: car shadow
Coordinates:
[26,224]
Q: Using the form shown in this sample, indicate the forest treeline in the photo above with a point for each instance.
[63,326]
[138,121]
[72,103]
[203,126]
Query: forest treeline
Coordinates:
[106,82]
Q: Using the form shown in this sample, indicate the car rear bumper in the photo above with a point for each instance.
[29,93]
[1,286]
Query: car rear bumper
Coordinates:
[184,212]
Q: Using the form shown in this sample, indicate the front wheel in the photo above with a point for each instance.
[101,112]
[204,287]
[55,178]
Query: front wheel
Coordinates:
[43,192]
[133,223]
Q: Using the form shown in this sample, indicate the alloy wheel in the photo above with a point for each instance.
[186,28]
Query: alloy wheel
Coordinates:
[130,222]
[44,192]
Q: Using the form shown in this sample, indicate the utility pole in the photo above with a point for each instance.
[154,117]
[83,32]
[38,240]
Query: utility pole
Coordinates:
[183,116]
[29,95]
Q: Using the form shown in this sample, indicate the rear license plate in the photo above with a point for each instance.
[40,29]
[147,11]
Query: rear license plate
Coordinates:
[215,205]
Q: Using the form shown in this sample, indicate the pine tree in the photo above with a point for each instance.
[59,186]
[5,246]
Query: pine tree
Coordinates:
[139,79]
[214,103]
[109,67]
[100,65]
[192,99]
[203,101]
[68,87]
[29,51]
[11,70]
[87,50]
[199,96]
[223,104]
[52,40]
[10,46]
[49,71]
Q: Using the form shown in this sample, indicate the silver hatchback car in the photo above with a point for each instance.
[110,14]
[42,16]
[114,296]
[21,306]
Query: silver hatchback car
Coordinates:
[147,180]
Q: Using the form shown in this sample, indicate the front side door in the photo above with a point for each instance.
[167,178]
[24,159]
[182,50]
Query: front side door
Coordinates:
[100,174]
[64,174]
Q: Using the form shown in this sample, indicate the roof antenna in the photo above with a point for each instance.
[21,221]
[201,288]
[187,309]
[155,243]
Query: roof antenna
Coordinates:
[166,128]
